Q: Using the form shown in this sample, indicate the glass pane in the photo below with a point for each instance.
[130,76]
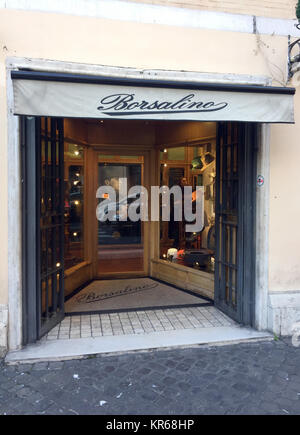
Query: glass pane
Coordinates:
[120,239]
[196,168]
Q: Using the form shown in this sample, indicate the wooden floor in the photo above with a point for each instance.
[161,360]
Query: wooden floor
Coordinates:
[115,259]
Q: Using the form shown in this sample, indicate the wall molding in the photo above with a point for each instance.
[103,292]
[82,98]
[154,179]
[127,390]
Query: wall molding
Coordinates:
[14,63]
[157,14]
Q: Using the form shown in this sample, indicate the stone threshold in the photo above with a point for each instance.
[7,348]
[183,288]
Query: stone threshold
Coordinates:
[58,350]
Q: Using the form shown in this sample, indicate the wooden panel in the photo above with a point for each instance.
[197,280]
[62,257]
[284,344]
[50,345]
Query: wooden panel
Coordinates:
[75,130]
[135,150]
[121,132]
[77,276]
[177,133]
[184,277]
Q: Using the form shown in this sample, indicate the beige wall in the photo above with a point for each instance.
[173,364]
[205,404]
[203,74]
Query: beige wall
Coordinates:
[265,8]
[145,46]
[119,43]
[284,263]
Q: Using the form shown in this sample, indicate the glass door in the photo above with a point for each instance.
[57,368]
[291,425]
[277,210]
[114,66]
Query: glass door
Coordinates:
[120,236]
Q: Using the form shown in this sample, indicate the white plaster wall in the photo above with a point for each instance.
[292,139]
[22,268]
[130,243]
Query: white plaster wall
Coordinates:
[244,18]
[284,231]
[3,328]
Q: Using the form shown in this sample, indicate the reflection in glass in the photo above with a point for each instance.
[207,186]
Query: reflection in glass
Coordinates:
[120,245]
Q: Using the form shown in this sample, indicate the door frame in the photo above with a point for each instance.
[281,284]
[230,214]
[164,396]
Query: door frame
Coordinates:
[42,310]
[146,182]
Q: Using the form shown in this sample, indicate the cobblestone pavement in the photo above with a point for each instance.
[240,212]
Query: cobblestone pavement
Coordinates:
[252,378]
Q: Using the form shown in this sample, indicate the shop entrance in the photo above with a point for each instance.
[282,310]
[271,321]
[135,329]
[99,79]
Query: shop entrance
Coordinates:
[65,162]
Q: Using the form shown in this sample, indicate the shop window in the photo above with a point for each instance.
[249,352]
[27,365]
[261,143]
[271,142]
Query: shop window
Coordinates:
[74,205]
[196,168]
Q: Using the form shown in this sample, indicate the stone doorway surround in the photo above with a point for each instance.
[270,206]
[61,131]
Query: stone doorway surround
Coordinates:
[87,335]
[14,176]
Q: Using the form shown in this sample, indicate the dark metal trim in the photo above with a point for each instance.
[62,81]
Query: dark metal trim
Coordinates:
[151,83]
[24,230]
[130,310]
[29,227]
[244,312]
[249,227]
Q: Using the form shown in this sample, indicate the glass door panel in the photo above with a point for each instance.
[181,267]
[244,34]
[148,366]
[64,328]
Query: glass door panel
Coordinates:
[120,239]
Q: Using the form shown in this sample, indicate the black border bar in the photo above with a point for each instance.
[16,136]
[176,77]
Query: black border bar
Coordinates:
[151,83]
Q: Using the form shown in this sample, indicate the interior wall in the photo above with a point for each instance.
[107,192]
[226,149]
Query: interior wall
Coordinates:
[75,129]
[152,133]
[170,133]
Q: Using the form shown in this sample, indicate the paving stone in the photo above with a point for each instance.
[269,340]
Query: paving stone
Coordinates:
[237,379]
[40,366]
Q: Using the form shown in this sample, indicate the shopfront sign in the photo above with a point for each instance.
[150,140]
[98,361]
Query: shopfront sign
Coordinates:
[127,105]
[40,95]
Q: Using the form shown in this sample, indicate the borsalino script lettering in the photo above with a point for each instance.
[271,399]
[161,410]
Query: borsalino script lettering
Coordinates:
[122,104]
[94,297]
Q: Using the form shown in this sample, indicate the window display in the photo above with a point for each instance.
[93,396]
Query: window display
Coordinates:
[197,168]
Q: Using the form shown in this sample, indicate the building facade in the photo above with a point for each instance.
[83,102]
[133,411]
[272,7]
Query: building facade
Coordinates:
[230,49]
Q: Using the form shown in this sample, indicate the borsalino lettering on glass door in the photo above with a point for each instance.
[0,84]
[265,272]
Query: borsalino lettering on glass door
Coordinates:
[121,104]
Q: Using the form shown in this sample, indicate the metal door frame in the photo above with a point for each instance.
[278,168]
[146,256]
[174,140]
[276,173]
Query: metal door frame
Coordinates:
[244,309]
[33,325]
